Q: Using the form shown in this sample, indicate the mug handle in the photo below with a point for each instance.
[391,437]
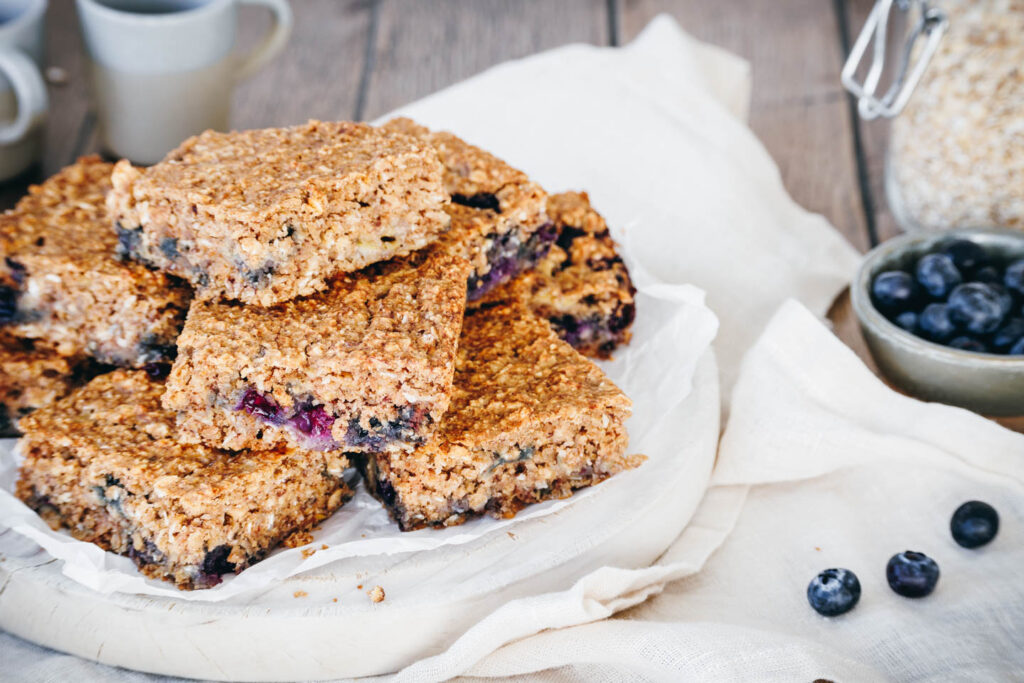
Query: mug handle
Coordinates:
[29,92]
[273,42]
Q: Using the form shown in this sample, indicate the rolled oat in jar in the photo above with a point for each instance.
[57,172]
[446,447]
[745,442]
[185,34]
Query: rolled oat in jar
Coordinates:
[956,153]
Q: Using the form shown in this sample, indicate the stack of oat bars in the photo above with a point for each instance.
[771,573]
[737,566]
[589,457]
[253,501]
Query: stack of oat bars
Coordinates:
[199,350]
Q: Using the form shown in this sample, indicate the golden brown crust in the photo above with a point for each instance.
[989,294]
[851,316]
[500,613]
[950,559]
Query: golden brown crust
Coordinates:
[581,287]
[105,462]
[33,375]
[57,252]
[490,199]
[530,419]
[264,216]
[376,349]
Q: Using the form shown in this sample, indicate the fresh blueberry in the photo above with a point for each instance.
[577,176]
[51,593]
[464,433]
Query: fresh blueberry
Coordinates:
[894,290]
[974,524]
[1017,349]
[988,275]
[937,274]
[976,307]
[935,324]
[1013,278]
[1007,335]
[833,592]
[912,574]
[907,320]
[966,255]
[965,343]
[1005,298]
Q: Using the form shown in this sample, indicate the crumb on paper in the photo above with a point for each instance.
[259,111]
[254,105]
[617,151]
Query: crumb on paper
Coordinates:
[334,599]
[376,594]
[307,553]
[817,548]
[359,587]
[324,546]
[299,538]
[511,535]
[300,594]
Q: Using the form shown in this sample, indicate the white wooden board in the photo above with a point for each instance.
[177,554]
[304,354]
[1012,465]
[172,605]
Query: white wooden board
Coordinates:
[432,597]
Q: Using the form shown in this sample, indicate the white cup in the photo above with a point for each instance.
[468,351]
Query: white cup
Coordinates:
[22,91]
[163,70]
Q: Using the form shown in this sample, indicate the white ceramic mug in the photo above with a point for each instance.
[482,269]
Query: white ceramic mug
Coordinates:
[163,70]
[22,91]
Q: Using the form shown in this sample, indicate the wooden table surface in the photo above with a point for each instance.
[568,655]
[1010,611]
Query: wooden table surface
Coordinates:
[358,59]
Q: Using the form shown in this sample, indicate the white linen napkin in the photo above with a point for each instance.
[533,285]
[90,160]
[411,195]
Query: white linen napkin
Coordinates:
[842,471]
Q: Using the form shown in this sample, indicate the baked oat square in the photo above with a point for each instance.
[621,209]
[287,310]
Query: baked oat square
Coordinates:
[498,214]
[265,216]
[61,280]
[581,286]
[105,464]
[365,366]
[530,419]
[33,375]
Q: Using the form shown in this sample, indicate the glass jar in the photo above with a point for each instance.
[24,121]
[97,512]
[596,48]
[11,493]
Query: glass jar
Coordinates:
[956,151]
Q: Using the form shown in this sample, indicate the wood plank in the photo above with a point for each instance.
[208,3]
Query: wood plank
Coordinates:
[424,46]
[798,107]
[68,100]
[317,75]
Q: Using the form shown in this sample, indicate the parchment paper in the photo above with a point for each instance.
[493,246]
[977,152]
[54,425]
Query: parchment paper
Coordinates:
[672,330]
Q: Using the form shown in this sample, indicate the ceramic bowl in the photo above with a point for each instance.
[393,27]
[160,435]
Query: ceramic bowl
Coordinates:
[985,383]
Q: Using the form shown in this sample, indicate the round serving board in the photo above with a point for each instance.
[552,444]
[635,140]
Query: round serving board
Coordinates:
[322,624]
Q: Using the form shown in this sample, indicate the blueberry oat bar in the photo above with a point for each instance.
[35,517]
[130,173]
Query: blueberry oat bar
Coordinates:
[581,286]
[530,419]
[264,216]
[498,214]
[365,366]
[105,464]
[61,281]
[33,375]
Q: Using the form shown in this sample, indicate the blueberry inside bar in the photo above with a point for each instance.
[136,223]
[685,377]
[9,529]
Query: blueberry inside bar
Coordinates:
[498,214]
[581,286]
[365,366]
[33,375]
[264,216]
[105,464]
[530,419]
[62,282]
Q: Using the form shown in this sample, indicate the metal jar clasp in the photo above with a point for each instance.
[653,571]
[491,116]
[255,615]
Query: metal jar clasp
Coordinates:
[930,26]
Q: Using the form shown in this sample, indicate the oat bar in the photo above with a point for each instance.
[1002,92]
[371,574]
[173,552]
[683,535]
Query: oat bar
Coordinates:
[365,366]
[105,464]
[33,375]
[61,280]
[498,214]
[265,216]
[581,286]
[530,419]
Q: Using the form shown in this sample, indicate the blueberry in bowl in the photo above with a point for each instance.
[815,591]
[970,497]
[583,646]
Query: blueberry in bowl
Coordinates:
[943,316]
